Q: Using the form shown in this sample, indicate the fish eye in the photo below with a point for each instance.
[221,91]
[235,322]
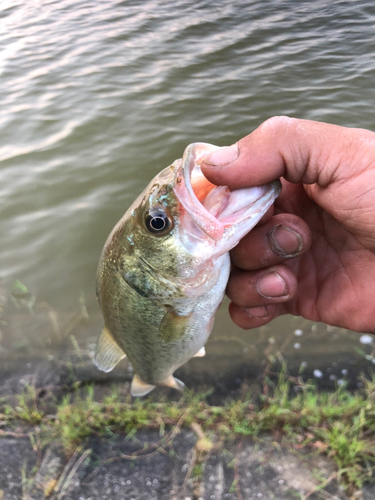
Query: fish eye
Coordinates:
[158,222]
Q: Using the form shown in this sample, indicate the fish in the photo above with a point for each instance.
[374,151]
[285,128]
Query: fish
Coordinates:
[164,269]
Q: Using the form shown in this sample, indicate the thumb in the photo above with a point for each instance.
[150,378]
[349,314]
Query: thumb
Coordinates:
[298,150]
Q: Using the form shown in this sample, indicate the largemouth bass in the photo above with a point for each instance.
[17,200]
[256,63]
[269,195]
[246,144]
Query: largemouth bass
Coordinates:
[164,269]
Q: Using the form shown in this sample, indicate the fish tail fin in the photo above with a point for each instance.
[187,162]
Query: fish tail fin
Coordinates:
[173,382]
[140,388]
[108,353]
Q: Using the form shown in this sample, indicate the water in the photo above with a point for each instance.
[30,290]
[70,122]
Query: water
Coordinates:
[97,97]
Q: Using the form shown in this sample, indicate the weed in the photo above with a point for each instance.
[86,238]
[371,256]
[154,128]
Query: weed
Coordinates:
[26,408]
[339,424]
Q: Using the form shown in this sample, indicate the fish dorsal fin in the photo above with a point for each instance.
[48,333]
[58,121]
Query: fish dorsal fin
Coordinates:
[140,388]
[200,353]
[108,353]
[172,381]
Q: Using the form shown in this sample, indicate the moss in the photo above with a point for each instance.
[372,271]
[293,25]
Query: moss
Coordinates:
[197,472]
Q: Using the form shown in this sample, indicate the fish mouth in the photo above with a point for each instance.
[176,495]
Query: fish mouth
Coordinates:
[217,210]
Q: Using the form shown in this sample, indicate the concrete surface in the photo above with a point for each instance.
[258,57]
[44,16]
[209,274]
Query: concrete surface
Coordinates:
[104,470]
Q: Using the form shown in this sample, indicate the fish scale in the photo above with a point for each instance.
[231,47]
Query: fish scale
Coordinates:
[164,268]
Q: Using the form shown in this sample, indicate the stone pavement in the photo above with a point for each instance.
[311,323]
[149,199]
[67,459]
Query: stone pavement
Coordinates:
[104,470]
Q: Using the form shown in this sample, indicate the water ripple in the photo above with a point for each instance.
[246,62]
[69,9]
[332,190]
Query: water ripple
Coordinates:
[96,97]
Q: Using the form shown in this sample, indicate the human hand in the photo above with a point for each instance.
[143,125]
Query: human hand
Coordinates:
[315,256]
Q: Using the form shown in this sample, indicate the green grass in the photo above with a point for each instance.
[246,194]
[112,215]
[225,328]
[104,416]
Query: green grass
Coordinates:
[26,408]
[339,424]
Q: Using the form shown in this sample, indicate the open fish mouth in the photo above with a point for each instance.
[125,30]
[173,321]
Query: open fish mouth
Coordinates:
[217,210]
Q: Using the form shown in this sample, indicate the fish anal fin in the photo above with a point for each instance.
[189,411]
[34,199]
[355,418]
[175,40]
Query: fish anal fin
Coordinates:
[140,388]
[173,382]
[108,353]
[200,353]
[174,326]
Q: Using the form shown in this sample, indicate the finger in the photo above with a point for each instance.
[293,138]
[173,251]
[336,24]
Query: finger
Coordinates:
[258,288]
[267,216]
[299,150]
[283,237]
[247,318]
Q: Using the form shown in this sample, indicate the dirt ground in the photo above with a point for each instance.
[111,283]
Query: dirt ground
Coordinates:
[244,470]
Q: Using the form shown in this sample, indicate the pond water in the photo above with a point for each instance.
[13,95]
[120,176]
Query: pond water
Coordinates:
[97,97]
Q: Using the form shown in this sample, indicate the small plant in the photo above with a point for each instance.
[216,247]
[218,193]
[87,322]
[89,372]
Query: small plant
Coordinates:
[26,408]
[22,297]
[340,424]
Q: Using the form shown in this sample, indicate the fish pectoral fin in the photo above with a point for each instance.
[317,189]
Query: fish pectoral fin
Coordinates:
[173,382]
[174,326]
[140,388]
[200,353]
[108,353]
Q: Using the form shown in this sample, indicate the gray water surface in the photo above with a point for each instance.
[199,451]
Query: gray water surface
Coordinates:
[96,97]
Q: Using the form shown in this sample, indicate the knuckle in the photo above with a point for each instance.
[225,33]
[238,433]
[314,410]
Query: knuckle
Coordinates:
[276,122]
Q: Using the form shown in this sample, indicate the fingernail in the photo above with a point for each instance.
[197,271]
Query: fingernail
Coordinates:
[257,312]
[284,241]
[222,156]
[271,285]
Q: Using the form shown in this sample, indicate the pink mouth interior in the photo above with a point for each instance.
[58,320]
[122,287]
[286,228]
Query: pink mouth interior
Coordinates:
[193,189]
[213,208]
[201,187]
[213,198]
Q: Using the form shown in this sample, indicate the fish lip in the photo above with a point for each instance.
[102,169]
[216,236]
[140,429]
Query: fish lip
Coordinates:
[185,194]
[207,222]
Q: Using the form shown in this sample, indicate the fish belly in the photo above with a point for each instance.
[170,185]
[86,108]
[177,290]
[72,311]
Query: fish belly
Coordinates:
[200,327]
